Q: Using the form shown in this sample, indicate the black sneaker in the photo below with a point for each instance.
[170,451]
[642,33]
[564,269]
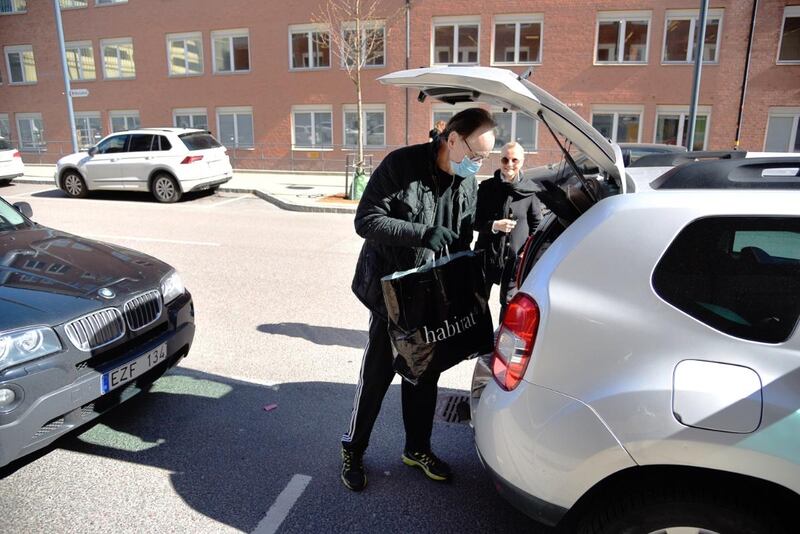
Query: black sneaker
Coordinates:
[353,474]
[433,467]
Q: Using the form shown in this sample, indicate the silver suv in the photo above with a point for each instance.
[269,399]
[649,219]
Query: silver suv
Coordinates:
[646,377]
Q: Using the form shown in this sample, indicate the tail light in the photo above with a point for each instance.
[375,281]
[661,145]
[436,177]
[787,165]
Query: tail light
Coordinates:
[17,154]
[191,159]
[514,345]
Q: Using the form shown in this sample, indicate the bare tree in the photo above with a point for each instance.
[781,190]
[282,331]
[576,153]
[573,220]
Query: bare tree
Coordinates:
[359,30]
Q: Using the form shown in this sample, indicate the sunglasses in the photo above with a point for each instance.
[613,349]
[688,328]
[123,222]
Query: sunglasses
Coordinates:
[504,160]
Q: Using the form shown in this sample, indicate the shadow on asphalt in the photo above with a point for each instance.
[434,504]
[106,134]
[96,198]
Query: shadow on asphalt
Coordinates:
[125,196]
[319,335]
[229,458]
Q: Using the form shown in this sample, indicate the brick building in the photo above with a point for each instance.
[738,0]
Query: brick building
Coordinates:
[259,78]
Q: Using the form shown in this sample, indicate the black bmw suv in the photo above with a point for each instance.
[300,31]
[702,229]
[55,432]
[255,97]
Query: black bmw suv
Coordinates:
[84,326]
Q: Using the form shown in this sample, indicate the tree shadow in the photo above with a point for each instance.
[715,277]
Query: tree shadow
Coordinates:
[319,335]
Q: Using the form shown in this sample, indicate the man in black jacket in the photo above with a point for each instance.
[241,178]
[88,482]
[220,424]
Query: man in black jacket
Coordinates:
[507,213]
[419,199]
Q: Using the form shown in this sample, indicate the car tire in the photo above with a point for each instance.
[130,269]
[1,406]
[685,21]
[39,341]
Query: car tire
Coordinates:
[4,183]
[668,510]
[165,188]
[74,185]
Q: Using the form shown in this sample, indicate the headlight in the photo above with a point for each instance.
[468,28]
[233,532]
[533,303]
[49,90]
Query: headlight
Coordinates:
[172,287]
[26,344]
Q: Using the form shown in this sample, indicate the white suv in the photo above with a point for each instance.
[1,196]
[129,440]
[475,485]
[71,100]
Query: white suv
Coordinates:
[165,161]
[11,165]
[646,377]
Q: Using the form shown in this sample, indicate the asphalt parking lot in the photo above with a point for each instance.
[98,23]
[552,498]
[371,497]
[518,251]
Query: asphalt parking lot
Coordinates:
[244,435]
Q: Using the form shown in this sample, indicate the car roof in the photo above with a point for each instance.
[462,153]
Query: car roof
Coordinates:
[176,131]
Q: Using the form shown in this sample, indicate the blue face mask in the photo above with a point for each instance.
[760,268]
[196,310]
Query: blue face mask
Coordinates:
[466,167]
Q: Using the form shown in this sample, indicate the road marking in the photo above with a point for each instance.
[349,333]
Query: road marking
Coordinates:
[217,204]
[282,505]
[151,239]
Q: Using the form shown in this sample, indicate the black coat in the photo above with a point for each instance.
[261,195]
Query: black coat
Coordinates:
[499,200]
[397,207]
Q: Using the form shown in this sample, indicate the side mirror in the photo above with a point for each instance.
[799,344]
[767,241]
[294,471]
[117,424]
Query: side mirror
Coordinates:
[626,157]
[93,151]
[24,208]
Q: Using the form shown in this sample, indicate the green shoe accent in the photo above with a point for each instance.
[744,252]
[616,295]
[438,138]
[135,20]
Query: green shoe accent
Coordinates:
[433,467]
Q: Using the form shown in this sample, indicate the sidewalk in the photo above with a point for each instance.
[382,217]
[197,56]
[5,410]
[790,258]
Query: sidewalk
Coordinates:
[290,191]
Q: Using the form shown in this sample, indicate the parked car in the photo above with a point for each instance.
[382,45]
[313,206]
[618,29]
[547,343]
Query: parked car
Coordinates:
[84,326]
[164,161]
[645,378]
[11,165]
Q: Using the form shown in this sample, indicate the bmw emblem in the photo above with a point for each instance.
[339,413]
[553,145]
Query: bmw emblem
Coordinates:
[106,293]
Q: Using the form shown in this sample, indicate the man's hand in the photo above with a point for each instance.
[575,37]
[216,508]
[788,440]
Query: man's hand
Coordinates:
[436,237]
[504,225]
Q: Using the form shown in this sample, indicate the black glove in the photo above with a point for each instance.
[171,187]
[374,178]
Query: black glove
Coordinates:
[436,237]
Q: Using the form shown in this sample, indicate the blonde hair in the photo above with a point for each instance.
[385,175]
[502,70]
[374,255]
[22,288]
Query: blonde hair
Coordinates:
[513,144]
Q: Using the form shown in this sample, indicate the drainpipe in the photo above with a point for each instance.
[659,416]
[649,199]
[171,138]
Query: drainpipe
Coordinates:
[408,56]
[745,76]
[67,89]
[698,67]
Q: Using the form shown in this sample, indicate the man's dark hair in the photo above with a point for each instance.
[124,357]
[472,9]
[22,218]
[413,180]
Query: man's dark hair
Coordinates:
[464,123]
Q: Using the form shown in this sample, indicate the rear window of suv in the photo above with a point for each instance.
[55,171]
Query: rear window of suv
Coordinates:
[739,275]
[199,141]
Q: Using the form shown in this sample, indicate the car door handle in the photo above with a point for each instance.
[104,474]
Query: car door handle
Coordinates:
[113,159]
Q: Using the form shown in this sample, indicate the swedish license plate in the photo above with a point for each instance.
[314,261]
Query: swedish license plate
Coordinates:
[133,369]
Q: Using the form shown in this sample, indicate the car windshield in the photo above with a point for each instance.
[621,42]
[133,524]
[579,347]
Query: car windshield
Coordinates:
[199,141]
[10,218]
[5,144]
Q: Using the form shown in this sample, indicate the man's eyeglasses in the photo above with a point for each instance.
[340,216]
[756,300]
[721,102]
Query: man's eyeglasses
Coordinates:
[477,158]
[504,160]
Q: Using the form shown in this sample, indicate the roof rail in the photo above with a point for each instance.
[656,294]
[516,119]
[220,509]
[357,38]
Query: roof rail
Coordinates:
[670,159]
[737,173]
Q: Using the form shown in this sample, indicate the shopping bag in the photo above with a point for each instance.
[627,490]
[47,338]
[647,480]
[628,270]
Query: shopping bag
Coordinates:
[438,314]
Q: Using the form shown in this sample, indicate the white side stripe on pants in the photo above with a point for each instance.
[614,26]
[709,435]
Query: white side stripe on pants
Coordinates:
[348,437]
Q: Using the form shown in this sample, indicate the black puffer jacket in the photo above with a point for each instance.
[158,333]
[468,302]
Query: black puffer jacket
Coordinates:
[397,207]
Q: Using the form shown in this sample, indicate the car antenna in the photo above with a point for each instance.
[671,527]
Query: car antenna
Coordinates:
[527,74]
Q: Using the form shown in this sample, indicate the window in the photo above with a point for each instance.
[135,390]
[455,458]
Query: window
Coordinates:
[89,128]
[73,4]
[141,142]
[80,61]
[620,124]
[235,127]
[113,145]
[124,120]
[13,6]
[517,39]
[622,37]
[373,42]
[21,64]
[109,2]
[190,118]
[672,126]
[309,47]
[312,127]
[373,125]
[738,275]
[455,40]
[118,58]
[231,51]
[679,36]
[783,130]
[199,141]
[789,49]
[515,126]
[5,126]
[31,132]
[185,54]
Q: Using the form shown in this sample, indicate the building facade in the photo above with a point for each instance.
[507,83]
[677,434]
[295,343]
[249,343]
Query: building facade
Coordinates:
[266,79]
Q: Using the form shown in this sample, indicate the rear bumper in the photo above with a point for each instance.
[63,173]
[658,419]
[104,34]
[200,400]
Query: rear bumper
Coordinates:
[52,408]
[10,176]
[207,184]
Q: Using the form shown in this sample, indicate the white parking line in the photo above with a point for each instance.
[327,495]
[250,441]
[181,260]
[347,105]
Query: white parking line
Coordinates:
[217,204]
[151,239]
[282,505]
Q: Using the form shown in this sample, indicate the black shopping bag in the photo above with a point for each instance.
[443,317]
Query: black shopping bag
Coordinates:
[438,314]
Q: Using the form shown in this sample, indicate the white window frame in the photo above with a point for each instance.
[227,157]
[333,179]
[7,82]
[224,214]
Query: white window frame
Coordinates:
[236,110]
[309,29]
[692,15]
[26,117]
[88,115]
[230,34]
[15,11]
[623,17]
[616,110]
[790,112]
[122,113]
[114,42]
[18,49]
[365,108]
[106,3]
[79,45]
[683,111]
[4,118]
[191,112]
[456,22]
[517,20]
[312,109]
[788,12]
[366,26]
[514,115]
[63,8]
[197,36]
